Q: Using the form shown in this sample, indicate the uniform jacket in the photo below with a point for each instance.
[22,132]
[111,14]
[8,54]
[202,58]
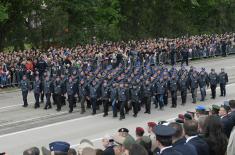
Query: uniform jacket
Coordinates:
[184,148]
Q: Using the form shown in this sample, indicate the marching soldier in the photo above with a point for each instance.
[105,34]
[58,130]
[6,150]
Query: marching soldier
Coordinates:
[134,94]
[82,94]
[93,94]
[64,80]
[160,91]
[48,86]
[193,83]
[173,89]
[113,99]
[25,87]
[183,86]
[203,82]
[223,80]
[57,93]
[165,97]
[105,97]
[184,54]
[37,90]
[147,92]
[71,91]
[122,99]
[213,79]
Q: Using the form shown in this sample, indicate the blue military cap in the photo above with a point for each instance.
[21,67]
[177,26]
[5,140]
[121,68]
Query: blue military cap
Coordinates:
[59,146]
[164,131]
[200,108]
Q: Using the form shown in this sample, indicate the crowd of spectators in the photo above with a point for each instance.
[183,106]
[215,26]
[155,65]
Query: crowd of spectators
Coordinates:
[13,65]
[207,131]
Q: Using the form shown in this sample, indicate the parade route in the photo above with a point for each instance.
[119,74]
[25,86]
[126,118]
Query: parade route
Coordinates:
[21,128]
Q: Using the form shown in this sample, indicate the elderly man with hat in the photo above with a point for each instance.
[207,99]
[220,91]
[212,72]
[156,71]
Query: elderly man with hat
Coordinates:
[124,139]
[164,140]
[108,144]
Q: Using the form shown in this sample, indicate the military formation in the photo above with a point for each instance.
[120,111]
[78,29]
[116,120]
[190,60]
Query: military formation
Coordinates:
[123,88]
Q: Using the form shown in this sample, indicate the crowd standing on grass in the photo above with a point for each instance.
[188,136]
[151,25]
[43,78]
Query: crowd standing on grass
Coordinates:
[200,132]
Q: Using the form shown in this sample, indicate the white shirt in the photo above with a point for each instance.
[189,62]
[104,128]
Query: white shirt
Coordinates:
[189,138]
[165,148]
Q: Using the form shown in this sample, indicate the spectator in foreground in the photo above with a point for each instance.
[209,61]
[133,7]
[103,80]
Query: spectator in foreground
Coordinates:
[225,120]
[232,113]
[108,144]
[179,141]
[231,144]
[214,136]
[32,151]
[192,137]
[144,141]
[164,140]
[137,149]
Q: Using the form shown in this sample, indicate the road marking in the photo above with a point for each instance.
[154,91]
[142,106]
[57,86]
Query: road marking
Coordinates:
[10,106]
[34,118]
[50,125]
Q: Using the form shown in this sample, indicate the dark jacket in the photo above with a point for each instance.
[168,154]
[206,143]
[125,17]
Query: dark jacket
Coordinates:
[109,151]
[184,148]
[170,151]
[200,145]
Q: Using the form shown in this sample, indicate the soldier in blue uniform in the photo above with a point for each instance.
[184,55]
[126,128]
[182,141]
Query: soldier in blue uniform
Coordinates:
[135,98]
[173,87]
[203,82]
[71,90]
[183,86]
[165,97]
[57,87]
[25,87]
[193,83]
[93,94]
[160,91]
[37,90]
[48,88]
[64,79]
[223,80]
[213,79]
[184,54]
[82,94]
[147,92]
[105,93]
[113,98]
[122,99]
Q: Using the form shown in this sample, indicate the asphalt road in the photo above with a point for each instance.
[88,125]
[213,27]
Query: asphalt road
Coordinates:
[21,128]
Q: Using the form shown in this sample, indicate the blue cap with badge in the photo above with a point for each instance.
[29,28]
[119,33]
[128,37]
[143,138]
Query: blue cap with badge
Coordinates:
[59,146]
[164,131]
